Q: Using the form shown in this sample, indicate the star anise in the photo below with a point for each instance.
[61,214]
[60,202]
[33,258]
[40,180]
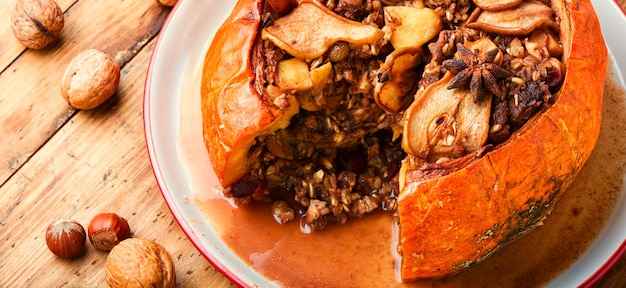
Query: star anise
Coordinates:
[475,69]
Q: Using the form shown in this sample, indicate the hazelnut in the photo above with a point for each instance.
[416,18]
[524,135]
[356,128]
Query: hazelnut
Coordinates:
[90,79]
[65,238]
[137,262]
[169,3]
[36,23]
[107,230]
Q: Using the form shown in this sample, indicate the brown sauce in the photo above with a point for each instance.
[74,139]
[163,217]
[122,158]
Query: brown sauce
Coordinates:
[361,252]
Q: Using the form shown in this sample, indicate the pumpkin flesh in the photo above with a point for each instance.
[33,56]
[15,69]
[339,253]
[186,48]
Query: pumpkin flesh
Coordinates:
[453,221]
[453,210]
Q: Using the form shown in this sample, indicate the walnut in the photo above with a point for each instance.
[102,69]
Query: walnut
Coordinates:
[169,3]
[91,78]
[137,262]
[36,23]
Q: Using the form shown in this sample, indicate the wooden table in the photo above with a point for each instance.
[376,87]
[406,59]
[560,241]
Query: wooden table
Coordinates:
[57,162]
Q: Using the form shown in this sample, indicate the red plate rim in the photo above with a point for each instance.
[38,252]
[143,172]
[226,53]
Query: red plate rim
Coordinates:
[165,192]
[195,239]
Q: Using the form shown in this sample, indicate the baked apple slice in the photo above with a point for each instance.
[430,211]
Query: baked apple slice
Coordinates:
[465,120]
[454,214]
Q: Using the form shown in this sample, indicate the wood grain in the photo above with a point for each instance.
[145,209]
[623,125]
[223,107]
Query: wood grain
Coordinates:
[61,163]
[51,175]
[31,107]
[10,47]
[57,162]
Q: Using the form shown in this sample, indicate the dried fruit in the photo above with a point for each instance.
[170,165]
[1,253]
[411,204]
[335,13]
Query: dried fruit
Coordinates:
[36,23]
[444,123]
[65,238]
[107,230]
[519,20]
[410,26]
[455,215]
[460,198]
[496,5]
[137,262]
[397,79]
[312,41]
[91,78]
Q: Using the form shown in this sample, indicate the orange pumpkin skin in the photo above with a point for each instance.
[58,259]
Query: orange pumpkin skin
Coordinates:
[233,111]
[450,222]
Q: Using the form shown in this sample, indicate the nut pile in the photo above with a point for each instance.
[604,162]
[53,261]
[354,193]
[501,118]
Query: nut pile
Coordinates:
[92,76]
[132,262]
[90,79]
[66,237]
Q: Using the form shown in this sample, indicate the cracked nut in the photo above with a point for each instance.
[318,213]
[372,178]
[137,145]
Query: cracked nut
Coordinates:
[36,23]
[107,230]
[137,262]
[90,79]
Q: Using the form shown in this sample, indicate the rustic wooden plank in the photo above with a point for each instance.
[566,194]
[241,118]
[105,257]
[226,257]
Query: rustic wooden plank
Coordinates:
[78,164]
[10,47]
[31,106]
[70,177]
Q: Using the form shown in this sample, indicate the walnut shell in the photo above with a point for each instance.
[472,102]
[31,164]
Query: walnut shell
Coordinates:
[36,23]
[91,78]
[169,3]
[137,262]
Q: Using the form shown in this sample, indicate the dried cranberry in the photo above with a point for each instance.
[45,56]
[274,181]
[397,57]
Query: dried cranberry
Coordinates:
[246,186]
[392,170]
[554,79]
[356,164]
[354,160]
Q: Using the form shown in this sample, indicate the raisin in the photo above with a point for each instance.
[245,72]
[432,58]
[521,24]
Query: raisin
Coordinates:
[554,79]
[246,186]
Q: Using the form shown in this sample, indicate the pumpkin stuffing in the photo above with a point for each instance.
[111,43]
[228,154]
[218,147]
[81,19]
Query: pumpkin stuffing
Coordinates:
[465,120]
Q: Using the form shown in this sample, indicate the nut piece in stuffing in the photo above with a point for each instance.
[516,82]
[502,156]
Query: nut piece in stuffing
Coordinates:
[36,23]
[137,262]
[91,78]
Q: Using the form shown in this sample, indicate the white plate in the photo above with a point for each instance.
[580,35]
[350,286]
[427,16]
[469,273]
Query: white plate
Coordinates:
[179,53]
